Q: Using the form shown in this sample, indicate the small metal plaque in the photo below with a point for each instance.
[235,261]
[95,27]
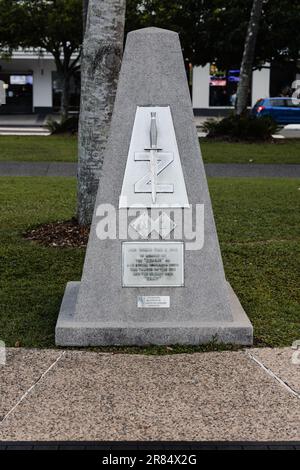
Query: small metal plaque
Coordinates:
[153,301]
[152,264]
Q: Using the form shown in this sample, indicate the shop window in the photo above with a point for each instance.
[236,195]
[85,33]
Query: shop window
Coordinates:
[223,86]
[18,91]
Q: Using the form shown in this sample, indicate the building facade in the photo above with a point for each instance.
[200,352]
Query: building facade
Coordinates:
[214,91]
[32,85]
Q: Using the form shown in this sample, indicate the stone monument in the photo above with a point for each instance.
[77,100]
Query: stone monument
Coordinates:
[153,271]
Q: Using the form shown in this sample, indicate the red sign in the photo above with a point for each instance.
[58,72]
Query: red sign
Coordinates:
[214,82]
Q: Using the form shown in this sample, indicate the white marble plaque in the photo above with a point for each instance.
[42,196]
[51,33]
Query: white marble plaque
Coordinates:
[152,264]
[137,182]
[153,301]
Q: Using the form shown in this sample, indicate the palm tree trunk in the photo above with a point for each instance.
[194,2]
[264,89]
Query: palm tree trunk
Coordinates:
[100,65]
[85,5]
[248,58]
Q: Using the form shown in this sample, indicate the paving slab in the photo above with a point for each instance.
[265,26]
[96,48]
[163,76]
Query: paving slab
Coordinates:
[25,120]
[202,396]
[23,168]
[38,169]
[62,169]
[281,362]
[23,369]
[37,131]
[251,170]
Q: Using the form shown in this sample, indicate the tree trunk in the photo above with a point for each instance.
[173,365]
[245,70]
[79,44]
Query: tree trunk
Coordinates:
[85,5]
[65,96]
[100,65]
[248,58]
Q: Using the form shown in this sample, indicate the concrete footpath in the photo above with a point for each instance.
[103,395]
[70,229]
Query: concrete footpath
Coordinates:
[24,124]
[38,169]
[250,395]
[212,169]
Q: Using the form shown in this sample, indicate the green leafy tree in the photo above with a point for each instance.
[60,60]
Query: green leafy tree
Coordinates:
[209,30]
[215,30]
[279,33]
[54,26]
[10,19]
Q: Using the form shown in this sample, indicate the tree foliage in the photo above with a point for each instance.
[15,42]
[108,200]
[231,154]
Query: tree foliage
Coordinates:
[215,30]
[210,30]
[54,26]
[11,17]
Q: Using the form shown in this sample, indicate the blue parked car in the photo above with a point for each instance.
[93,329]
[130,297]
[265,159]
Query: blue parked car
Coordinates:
[283,110]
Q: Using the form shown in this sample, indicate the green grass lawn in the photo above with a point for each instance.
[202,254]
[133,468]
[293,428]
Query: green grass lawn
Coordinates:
[258,226]
[64,148]
[38,148]
[287,151]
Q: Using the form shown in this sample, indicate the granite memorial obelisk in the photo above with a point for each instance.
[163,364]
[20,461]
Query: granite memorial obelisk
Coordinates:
[153,271]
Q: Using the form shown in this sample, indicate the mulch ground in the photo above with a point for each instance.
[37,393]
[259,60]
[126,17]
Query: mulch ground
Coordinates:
[65,234]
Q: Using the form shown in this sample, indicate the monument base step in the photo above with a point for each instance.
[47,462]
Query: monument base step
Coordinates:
[73,332]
